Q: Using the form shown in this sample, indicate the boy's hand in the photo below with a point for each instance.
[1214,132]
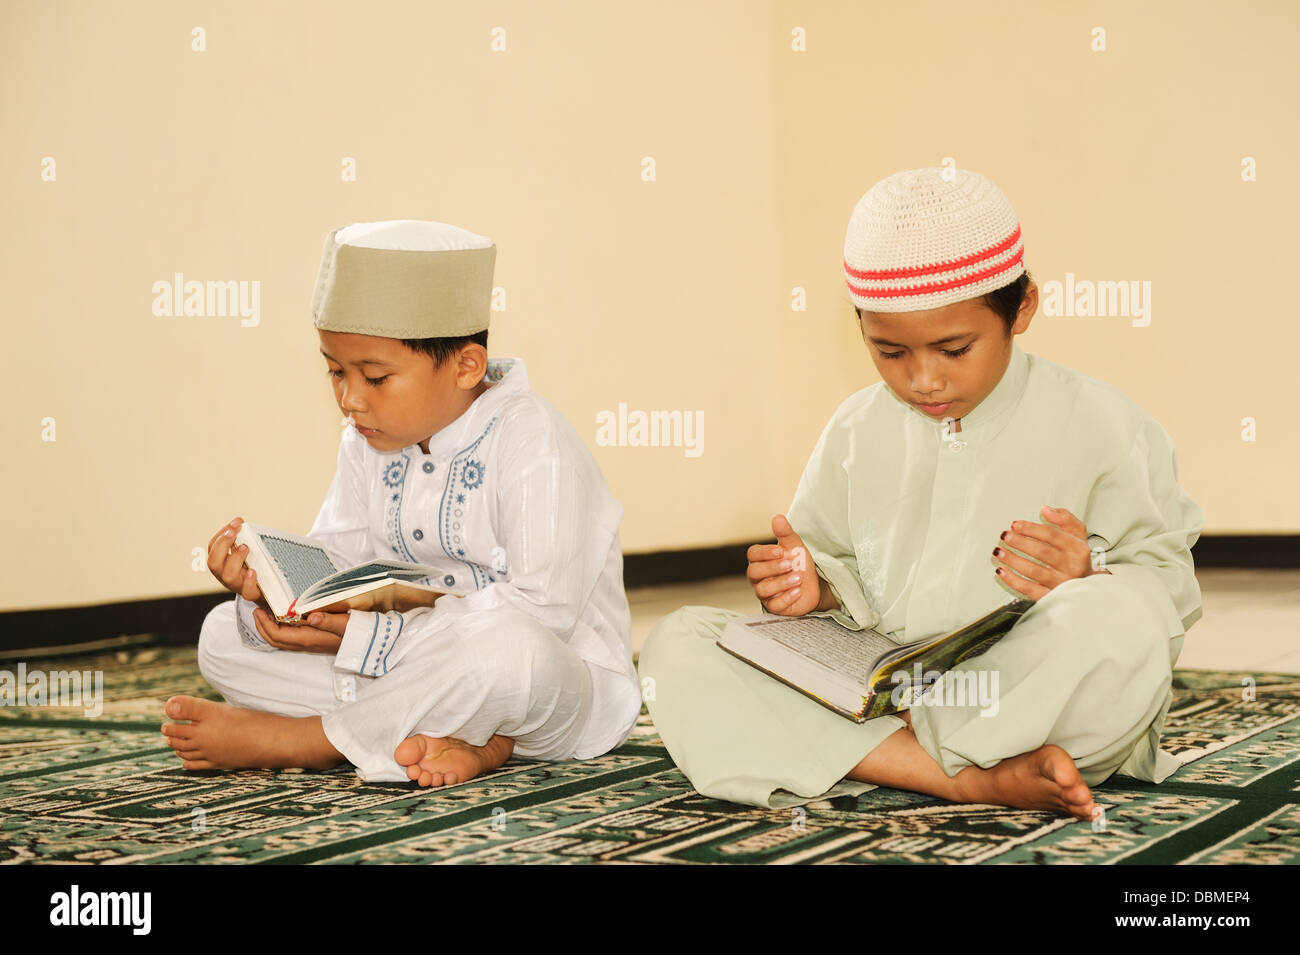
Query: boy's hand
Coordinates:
[322,633]
[1062,546]
[783,575]
[227,564]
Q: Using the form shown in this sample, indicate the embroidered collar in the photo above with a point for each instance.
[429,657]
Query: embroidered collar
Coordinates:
[506,377]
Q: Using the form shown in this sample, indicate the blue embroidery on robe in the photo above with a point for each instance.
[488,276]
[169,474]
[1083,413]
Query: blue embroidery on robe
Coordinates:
[376,656]
[395,485]
[472,477]
[466,471]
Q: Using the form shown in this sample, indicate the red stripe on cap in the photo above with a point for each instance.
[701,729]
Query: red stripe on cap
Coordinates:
[928,287]
[878,274]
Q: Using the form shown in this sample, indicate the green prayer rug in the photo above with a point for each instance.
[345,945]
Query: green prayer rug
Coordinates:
[78,788]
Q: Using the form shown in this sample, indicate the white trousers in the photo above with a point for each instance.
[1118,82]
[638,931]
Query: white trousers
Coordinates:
[494,672]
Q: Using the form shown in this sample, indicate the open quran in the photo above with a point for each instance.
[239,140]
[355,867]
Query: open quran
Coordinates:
[297,576]
[860,674]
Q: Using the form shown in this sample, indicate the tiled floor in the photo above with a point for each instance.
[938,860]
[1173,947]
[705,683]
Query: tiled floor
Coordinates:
[1251,620]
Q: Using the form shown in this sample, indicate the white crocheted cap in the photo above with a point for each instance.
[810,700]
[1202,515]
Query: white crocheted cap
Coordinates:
[918,240]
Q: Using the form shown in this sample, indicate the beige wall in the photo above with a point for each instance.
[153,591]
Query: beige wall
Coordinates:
[672,294]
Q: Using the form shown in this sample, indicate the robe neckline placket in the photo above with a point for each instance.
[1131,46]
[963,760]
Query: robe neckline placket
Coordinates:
[983,422]
[510,377]
[957,459]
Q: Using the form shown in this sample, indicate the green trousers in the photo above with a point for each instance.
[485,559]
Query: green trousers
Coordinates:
[1087,668]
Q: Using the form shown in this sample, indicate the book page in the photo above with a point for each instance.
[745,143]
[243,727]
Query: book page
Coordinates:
[398,596]
[369,573]
[851,652]
[300,564]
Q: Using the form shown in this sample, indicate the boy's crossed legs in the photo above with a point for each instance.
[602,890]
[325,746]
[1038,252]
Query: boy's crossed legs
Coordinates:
[1088,667]
[1045,778]
[1082,677]
[459,702]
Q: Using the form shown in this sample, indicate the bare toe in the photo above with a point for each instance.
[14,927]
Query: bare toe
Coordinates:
[186,707]
[410,751]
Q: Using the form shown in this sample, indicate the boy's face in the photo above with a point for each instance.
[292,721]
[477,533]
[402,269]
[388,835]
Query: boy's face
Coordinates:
[394,395]
[949,358]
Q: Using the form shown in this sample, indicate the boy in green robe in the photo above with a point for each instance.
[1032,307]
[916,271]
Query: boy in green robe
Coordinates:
[974,474]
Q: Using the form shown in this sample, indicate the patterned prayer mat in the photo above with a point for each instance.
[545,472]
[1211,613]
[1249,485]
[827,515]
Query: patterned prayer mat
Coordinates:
[106,789]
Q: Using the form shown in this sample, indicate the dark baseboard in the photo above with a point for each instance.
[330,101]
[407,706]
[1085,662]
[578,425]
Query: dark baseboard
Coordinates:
[175,621]
[1248,551]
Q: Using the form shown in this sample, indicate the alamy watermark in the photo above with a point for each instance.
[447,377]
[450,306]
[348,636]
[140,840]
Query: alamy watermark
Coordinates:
[651,429]
[83,688]
[958,688]
[76,907]
[1085,298]
[211,299]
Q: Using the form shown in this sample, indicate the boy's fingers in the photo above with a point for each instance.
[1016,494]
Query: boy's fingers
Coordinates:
[307,638]
[326,643]
[217,558]
[287,636]
[217,551]
[267,628]
[783,601]
[221,554]
[775,585]
[232,572]
[784,533]
[334,624]
[251,591]
[1063,515]
[768,568]
[789,540]
[764,552]
[233,527]
[220,534]
[298,636]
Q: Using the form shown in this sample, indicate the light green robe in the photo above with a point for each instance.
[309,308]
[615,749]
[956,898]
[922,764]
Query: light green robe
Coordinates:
[901,520]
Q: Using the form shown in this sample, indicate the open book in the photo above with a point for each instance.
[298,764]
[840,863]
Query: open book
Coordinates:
[853,672]
[298,576]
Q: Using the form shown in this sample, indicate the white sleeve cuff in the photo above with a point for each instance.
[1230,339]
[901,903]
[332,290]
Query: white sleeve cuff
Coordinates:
[248,634]
[368,641]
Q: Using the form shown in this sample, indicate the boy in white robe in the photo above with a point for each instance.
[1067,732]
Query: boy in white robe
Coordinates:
[1023,479]
[450,460]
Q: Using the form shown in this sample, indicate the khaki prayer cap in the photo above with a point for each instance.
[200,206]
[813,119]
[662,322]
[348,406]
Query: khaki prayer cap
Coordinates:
[404,278]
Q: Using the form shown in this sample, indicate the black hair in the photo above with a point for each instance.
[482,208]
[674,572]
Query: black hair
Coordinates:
[442,350]
[1003,302]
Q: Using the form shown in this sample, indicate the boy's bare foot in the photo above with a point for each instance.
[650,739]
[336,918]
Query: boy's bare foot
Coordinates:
[220,736]
[1045,778]
[431,761]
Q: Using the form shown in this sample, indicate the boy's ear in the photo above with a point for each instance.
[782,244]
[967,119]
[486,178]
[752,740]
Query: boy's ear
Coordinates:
[471,365]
